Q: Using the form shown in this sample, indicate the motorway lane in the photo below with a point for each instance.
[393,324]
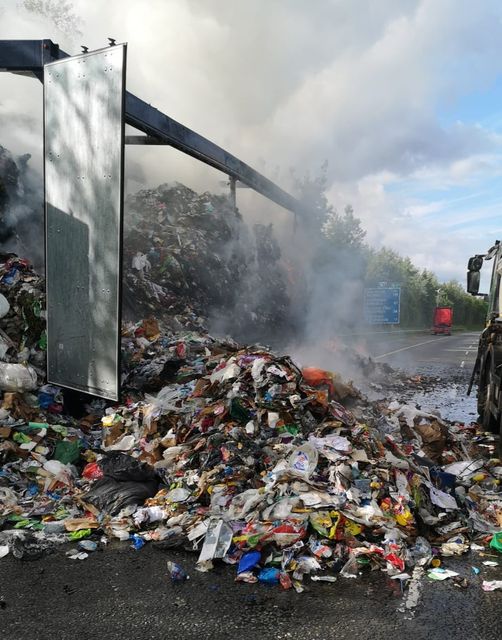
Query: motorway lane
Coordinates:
[411,350]
[447,359]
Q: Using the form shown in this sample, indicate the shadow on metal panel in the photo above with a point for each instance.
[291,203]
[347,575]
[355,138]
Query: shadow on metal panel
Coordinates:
[69,314]
[84,128]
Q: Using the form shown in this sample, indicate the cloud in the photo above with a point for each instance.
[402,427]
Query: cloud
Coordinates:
[289,84]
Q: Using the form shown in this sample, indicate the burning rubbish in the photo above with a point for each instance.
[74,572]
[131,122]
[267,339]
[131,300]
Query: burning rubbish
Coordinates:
[21,206]
[192,255]
[236,453]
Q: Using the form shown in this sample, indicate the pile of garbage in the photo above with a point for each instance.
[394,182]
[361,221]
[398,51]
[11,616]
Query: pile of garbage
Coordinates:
[233,452]
[22,325]
[190,258]
[21,206]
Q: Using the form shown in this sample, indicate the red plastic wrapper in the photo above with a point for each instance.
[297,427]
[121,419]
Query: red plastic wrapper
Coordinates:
[395,560]
[181,350]
[285,580]
[92,471]
[287,533]
[318,377]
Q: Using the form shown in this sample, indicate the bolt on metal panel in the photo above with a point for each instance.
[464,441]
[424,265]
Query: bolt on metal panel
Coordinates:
[84,159]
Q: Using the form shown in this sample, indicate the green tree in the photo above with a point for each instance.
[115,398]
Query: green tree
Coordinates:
[344,230]
[311,193]
[341,262]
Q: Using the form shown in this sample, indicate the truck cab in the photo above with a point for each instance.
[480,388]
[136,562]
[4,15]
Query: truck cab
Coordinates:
[487,373]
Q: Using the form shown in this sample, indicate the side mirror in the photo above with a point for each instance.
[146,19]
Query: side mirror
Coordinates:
[473,279]
[475,263]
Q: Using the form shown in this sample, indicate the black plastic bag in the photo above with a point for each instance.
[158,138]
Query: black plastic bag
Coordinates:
[126,481]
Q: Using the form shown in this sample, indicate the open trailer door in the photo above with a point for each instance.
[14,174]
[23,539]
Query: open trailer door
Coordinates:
[84,99]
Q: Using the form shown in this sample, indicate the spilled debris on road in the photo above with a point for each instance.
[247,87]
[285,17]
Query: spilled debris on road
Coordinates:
[236,453]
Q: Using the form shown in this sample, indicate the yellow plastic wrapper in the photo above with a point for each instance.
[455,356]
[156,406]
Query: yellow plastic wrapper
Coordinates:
[352,528]
[321,522]
[335,517]
[404,518]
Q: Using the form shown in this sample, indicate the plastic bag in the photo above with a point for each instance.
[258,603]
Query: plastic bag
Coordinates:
[302,461]
[269,575]
[125,482]
[496,542]
[288,533]
[349,569]
[4,306]
[137,541]
[88,545]
[248,561]
[67,451]
[23,545]
[17,377]
[305,565]
[491,585]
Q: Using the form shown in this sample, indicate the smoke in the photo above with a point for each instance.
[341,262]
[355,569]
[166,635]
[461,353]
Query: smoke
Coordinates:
[21,208]
[288,85]
[275,81]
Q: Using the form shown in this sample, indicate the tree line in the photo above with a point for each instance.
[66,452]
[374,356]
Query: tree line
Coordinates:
[342,246]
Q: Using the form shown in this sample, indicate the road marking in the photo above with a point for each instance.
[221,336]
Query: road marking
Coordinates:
[466,352]
[390,353]
[462,364]
[413,596]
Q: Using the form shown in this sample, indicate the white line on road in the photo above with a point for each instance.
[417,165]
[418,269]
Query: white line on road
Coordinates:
[390,353]
[462,364]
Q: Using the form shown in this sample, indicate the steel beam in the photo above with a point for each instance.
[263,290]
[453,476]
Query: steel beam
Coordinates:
[30,56]
[143,140]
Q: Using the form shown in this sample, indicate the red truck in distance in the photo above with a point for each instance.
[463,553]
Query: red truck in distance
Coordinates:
[442,321]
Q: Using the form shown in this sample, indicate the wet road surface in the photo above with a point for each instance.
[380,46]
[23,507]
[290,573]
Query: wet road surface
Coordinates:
[449,358]
[409,350]
[123,593]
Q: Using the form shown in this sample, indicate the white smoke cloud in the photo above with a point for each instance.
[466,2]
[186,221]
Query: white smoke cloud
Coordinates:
[290,84]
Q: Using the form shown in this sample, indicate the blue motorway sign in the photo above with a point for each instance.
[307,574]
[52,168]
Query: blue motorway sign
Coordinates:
[382,305]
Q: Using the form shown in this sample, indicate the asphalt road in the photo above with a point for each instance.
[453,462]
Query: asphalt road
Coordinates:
[123,593]
[409,350]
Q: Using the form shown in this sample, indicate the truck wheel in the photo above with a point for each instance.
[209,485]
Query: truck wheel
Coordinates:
[485,392]
[481,401]
[488,422]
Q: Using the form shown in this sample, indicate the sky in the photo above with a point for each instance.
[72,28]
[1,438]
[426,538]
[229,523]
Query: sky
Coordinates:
[402,98]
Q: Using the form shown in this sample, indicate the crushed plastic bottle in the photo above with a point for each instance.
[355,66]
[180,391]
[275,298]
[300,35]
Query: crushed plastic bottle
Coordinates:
[421,551]
[88,545]
[137,541]
[176,572]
